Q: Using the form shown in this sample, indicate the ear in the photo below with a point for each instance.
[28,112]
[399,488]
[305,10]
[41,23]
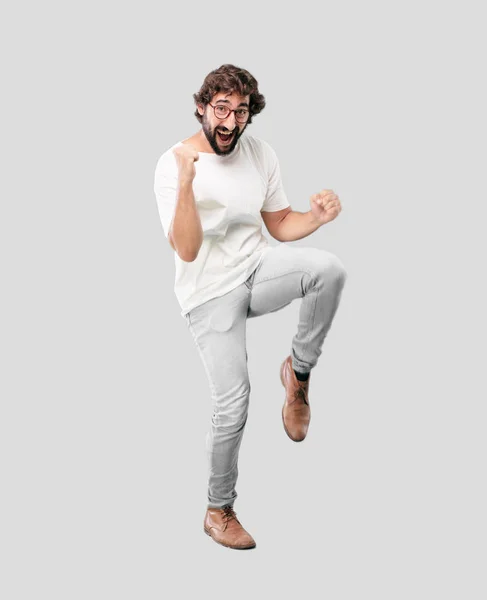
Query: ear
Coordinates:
[201,109]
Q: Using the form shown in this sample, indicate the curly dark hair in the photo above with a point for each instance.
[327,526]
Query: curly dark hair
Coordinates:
[229,78]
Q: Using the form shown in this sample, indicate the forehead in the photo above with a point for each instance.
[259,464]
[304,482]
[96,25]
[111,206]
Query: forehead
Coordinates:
[230,98]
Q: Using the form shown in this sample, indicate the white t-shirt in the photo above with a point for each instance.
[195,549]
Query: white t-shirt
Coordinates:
[230,191]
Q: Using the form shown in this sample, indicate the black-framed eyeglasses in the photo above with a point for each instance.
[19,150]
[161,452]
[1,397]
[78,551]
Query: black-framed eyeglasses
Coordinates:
[221,112]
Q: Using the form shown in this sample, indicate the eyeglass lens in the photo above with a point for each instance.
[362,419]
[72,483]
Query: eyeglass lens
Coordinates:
[222,112]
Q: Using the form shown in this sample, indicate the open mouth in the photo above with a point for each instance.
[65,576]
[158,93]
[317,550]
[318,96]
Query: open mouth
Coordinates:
[225,138]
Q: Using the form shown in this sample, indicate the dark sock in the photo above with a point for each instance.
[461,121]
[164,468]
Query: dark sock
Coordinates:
[301,376]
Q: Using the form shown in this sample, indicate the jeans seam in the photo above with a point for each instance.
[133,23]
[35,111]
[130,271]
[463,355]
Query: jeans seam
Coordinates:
[311,328]
[282,274]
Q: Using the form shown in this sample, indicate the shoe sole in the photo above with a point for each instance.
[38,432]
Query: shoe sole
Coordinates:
[228,545]
[282,412]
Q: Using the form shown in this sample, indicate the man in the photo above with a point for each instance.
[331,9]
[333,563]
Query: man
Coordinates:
[213,191]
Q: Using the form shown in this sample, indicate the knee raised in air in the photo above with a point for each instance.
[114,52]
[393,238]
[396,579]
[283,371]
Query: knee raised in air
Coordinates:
[332,269]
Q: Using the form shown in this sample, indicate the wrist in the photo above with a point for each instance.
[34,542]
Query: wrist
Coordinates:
[313,220]
[185,180]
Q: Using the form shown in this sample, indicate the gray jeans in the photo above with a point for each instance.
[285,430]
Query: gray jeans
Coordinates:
[218,327]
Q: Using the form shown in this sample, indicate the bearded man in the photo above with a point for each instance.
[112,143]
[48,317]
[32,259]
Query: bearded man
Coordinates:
[213,192]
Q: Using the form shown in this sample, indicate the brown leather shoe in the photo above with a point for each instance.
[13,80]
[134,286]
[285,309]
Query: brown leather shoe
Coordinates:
[296,413]
[223,526]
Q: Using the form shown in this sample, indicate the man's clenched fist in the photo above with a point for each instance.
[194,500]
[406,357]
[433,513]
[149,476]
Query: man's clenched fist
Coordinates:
[325,206]
[186,156]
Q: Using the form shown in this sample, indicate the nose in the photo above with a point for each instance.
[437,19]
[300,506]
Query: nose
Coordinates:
[230,122]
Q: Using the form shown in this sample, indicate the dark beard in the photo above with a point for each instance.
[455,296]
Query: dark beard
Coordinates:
[211,137]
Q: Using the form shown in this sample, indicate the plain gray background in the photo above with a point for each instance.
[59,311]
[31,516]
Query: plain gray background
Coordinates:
[105,402]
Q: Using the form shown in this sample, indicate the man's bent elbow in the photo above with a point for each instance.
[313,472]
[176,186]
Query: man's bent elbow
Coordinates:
[188,257]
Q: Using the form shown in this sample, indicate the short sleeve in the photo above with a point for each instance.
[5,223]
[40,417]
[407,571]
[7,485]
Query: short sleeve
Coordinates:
[275,198]
[165,189]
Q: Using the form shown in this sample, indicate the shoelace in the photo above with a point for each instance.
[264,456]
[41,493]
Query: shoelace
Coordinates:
[300,394]
[229,513]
